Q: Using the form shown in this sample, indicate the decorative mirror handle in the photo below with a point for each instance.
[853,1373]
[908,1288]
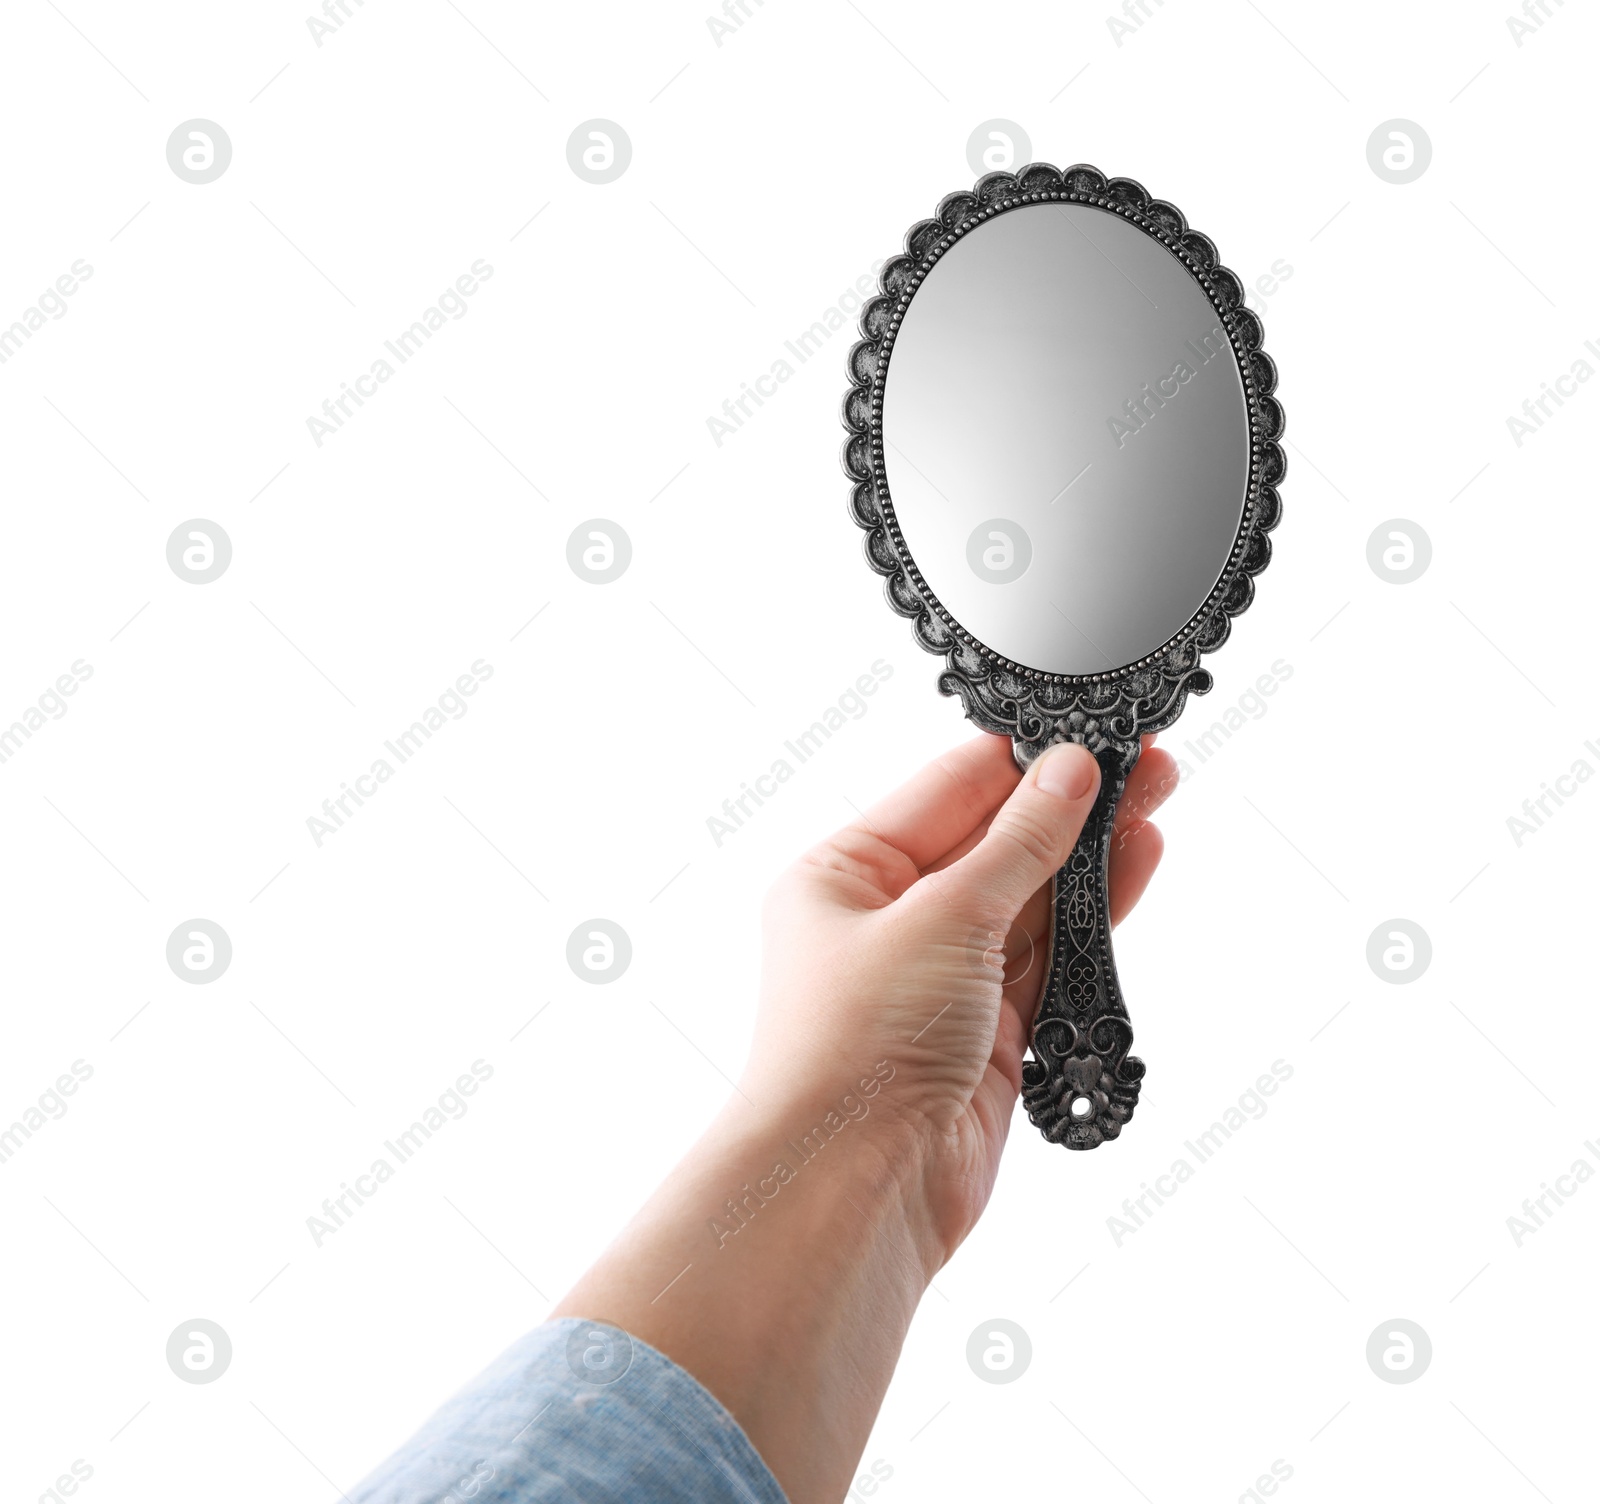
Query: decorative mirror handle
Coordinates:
[1082,1084]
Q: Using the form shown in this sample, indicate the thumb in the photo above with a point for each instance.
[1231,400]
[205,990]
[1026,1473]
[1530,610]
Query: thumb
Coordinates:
[1031,836]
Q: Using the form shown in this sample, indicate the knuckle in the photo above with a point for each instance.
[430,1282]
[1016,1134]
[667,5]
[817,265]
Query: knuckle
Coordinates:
[1036,841]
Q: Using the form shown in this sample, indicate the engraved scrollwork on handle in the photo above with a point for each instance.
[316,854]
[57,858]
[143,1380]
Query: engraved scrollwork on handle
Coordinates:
[1082,1084]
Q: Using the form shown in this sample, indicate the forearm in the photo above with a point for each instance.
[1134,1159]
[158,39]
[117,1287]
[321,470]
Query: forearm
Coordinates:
[791,1304]
[782,1261]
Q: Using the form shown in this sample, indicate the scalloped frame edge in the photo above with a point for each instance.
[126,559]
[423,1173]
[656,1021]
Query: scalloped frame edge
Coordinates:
[998,694]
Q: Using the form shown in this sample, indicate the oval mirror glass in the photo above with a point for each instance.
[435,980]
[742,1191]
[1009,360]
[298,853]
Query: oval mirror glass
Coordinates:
[1066,440]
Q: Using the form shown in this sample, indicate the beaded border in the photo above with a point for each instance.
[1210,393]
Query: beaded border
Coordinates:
[1196,253]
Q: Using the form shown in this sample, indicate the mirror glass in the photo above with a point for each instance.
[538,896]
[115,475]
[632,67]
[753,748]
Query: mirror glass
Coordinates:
[1066,439]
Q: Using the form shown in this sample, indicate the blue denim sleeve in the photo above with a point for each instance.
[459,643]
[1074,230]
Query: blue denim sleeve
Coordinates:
[577,1410]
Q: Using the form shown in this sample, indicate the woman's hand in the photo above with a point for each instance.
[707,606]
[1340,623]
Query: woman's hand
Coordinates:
[914,940]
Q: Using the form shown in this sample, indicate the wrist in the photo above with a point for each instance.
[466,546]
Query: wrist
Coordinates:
[781,1264]
[846,1149]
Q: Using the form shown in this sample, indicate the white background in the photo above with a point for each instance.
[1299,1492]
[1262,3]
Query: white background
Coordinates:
[768,173]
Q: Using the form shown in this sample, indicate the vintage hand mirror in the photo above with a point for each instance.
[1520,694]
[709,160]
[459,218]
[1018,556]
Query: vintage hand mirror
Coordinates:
[1063,449]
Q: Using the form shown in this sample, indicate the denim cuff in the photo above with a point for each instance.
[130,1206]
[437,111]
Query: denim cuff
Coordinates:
[577,1410]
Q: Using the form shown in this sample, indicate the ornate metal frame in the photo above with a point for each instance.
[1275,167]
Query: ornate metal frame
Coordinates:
[1082,1084]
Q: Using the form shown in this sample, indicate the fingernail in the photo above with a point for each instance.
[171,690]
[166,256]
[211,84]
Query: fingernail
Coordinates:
[1067,771]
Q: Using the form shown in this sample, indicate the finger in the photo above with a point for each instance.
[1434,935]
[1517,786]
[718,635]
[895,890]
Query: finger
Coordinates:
[1028,839]
[1150,785]
[947,800]
[961,848]
[1157,776]
[1003,1079]
[1026,943]
[1134,860]
[994,1106]
[1019,997]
